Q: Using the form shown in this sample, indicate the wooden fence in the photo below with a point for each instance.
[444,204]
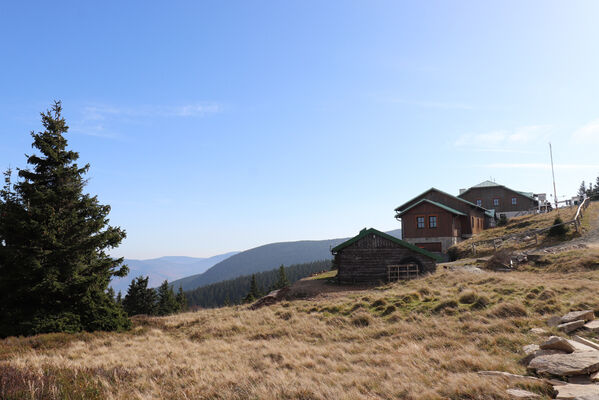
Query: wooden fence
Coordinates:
[534,234]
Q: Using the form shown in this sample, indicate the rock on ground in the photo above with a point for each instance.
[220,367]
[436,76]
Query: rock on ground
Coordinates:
[592,326]
[521,394]
[571,326]
[566,364]
[585,315]
[557,343]
[577,392]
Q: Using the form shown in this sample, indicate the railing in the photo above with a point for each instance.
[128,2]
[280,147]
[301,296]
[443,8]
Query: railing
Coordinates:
[534,234]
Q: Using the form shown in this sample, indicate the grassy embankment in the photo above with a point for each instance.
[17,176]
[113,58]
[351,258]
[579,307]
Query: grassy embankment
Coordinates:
[526,223]
[422,339]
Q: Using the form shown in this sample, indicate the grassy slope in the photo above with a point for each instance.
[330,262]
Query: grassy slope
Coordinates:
[526,223]
[423,339]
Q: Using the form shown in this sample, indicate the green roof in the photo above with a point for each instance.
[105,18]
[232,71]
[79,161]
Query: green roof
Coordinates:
[443,206]
[365,232]
[398,209]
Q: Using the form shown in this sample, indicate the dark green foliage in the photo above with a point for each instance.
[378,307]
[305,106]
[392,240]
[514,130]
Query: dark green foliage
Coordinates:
[582,190]
[54,266]
[254,292]
[502,220]
[181,300]
[453,253]
[557,230]
[233,291]
[282,281]
[139,298]
[167,303]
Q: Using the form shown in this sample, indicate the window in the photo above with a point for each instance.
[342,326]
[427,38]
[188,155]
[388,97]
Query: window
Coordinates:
[472,221]
[479,203]
[495,202]
[432,221]
[420,222]
[514,201]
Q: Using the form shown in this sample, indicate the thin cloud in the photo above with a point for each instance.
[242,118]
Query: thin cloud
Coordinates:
[504,140]
[103,112]
[588,133]
[542,166]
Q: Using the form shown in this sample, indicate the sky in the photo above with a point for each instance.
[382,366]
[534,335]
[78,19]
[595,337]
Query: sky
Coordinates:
[214,126]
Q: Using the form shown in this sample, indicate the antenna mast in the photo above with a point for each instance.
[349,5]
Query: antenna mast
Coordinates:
[553,175]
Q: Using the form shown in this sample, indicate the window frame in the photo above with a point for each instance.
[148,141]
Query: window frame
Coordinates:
[479,202]
[496,202]
[423,222]
[514,201]
[436,221]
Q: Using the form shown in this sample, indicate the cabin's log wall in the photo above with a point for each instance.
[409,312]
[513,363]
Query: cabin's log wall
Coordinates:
[366,260]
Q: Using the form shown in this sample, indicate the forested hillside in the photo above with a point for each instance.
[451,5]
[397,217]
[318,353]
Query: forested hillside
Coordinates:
[265,258]
[233,291]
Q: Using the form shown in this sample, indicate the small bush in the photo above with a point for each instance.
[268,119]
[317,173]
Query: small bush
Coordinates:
[389,310]
[557,230]
[453,253]
[502,220]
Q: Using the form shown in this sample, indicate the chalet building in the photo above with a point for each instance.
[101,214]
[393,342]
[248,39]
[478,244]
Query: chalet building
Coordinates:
[501,199]
[374,257]
[436,220]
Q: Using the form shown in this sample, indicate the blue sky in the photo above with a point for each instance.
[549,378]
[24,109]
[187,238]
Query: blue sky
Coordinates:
[217,126]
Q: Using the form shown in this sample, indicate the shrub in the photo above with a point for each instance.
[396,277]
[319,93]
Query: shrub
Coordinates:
[502,220]
[453,253]
[508,310]
[557,229]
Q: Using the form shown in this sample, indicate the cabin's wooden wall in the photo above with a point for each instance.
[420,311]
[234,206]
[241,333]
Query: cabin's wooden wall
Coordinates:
[366,260]
[487,194]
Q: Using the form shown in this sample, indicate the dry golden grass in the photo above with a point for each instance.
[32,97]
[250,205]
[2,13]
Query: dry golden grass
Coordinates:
[423,339]
[527,223]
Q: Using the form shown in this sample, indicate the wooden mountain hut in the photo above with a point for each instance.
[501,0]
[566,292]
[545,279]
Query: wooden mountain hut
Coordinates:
[376,257]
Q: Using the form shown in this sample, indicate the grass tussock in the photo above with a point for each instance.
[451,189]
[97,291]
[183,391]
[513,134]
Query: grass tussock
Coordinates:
[422,339]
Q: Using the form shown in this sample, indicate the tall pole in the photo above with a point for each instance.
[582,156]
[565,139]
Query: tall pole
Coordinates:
[553,175]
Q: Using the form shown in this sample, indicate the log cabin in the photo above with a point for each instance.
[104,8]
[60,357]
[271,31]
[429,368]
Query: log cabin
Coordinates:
[376,257]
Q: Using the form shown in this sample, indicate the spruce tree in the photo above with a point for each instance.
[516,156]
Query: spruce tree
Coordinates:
[54,266]
[140,299]
[167,303]
[254,292]
[282,280]
[181,300]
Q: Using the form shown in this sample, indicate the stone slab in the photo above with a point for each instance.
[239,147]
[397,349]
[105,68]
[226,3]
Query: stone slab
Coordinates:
[566,364]
[577,392]
[585,315]
[579,347]
[593,325]
[570,326]
[557,343]
[586,342]
[521,394]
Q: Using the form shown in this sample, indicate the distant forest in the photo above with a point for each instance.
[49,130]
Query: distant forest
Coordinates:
[234,290]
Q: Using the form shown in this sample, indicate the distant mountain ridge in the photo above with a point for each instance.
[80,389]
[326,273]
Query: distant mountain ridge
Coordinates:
[265,258]
[169,268]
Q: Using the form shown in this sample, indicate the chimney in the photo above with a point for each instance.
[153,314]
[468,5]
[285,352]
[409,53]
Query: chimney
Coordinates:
[462,191]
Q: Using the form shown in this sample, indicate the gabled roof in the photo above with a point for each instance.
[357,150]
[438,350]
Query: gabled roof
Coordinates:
[485,184]
[443,206]
[400,208]
[365,232]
